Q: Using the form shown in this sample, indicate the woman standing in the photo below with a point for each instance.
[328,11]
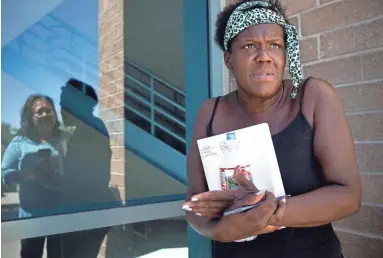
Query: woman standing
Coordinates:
[311,137]
[33,162]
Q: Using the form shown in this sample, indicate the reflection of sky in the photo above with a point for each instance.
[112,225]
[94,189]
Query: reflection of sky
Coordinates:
[60,45]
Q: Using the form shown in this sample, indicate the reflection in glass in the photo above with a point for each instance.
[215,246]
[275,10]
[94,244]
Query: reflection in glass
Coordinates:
[33,161]
[50,63]
[57,53]
[88,154]
[158,238]
[52,46]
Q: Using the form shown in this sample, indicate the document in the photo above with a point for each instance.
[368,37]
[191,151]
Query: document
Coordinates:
[250,148]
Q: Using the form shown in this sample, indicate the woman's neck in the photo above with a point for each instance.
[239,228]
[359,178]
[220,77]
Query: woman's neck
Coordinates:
[256,107]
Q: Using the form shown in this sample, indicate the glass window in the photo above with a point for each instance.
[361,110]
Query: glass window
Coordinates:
[73,93]
[93,119]
[157,238]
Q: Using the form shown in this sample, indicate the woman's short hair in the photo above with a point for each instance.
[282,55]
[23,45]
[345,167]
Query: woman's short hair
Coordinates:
[224,15]
[27,126]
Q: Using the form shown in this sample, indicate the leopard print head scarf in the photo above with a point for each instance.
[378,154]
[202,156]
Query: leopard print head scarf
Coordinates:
[252,13]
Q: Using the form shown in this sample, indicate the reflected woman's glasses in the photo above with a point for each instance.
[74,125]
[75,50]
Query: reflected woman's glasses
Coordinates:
[43,112]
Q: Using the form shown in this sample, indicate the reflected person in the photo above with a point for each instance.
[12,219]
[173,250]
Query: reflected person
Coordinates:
[87,165]
[33,162]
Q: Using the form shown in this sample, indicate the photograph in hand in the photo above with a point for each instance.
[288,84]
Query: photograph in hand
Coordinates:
[228,176]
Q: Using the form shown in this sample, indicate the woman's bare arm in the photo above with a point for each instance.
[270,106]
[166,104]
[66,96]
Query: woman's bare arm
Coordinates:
[334,149]
[196,176]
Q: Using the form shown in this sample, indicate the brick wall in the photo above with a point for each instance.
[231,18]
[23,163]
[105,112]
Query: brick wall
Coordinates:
[342,42]
[111,83]
[111,80]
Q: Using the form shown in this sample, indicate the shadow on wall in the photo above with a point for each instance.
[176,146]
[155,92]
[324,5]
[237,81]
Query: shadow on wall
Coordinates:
[88,154]
[87,167]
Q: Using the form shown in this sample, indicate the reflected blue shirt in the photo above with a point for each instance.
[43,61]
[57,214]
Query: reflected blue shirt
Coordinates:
[35,199]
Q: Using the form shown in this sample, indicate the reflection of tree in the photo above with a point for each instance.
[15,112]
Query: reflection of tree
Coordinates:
[7,134]
[67,129]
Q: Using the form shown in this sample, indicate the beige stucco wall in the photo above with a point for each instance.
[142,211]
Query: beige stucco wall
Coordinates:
[154,37]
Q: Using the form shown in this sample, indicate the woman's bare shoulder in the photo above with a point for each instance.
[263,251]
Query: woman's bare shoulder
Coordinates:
[321,94]
[319,89]
[206,109]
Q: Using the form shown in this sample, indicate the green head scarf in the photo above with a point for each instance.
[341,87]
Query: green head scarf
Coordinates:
[252,13]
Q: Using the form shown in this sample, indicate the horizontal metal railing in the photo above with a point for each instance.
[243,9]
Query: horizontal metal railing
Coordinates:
[162,111]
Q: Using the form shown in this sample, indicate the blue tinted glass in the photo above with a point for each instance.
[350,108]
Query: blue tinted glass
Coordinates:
[157,238]
[93,113]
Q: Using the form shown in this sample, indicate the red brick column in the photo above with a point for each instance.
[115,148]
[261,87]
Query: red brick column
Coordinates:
[111,104]
[111,65]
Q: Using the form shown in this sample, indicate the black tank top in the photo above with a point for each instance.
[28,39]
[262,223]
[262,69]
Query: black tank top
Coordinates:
[301,173]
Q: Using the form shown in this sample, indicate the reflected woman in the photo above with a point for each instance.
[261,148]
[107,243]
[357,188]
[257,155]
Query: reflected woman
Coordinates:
[33,162]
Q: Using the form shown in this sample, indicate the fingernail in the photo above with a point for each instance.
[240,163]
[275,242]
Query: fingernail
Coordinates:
[186,207]
[194,199]
[283,200]
[260,192]
[281,228]
[198,214]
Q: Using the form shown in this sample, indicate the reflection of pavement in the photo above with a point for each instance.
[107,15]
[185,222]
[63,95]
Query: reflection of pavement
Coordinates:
[10,199]
[12,250]
[148,239]
[9,206]
[171,252]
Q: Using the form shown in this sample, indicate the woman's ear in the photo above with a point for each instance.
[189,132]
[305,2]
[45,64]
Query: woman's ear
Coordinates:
[227,59]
